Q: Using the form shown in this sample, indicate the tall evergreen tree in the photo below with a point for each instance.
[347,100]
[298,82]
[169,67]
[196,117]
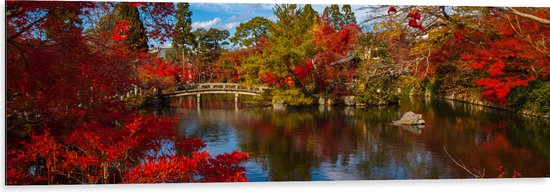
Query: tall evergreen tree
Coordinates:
[326,13]
[137,35]
[290,45]
[249,33]
[209,47]
[209,43]
[217,38]
[310,14]
[65,19]
[333,15]
[182,30]
[349,15]
[336,16]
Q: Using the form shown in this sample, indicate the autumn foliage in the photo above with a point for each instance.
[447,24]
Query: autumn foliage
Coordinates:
[512,55]
[131,153]
[65,121]
[160,73]
[505,50]
[66,73]
[335,45]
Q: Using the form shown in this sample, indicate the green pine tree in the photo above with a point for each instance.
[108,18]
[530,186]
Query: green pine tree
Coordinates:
[290,45]
[137,35]
[209,47]
[349,15]
[310,14]
[182,30]
[333,15]
[247,34]
[336,16]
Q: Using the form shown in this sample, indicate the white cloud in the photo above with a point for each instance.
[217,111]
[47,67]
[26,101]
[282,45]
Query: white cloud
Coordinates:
[240,11]
[360,14]
[229,26]
[267,6]
[232,8]
[232,18]
[244,12]
[273,18]
[206,24]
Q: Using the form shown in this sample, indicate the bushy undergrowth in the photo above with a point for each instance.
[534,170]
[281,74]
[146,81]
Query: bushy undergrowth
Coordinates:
[381,90]
[410,85]
[452,80]
[535,98]
[291,97]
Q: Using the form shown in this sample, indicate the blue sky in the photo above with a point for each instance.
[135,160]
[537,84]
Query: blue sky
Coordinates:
[228,16]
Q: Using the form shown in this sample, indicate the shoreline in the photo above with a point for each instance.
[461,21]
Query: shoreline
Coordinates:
[155,101]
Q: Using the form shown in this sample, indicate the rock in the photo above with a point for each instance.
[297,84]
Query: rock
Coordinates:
[325,101]
[279,105]
[349,100]
[330,102]
[322,101]
[410,118]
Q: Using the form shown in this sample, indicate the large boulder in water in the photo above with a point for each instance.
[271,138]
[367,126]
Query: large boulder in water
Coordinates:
[410,118]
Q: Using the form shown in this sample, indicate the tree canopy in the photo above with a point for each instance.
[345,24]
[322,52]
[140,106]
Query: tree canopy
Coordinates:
[136,35]
[182,36]
[248,33]
[66,121]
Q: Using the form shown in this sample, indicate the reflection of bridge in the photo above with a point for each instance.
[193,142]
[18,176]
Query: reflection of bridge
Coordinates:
[215,88]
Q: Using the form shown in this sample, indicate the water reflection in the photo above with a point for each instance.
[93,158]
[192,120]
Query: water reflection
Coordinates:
[337,143]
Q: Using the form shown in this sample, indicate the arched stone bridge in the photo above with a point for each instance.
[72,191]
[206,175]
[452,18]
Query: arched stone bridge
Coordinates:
[214,88]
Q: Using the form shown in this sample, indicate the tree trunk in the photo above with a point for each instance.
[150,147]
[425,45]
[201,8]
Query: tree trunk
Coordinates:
[297,82]
[183,62]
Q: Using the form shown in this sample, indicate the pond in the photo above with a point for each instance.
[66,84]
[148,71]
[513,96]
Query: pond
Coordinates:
[347,143]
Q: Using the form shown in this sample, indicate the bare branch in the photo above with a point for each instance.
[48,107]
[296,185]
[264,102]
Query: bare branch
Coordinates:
[529,16]
[26,28]
[480,173]
[13,12]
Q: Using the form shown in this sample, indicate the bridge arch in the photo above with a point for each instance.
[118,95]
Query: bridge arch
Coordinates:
[215,88]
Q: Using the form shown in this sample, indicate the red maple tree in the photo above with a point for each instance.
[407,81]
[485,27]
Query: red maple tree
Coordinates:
[510,53]
[335,45]
[65,122]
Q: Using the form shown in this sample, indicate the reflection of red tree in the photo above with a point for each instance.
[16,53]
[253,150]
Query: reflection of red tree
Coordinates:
[333,141]
[323,139]
[264,130]
[479,145]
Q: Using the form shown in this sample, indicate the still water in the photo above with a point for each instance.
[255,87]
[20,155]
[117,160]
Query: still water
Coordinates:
[346,143]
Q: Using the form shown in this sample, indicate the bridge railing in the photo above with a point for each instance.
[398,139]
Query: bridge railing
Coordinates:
[135,90]
[222,86]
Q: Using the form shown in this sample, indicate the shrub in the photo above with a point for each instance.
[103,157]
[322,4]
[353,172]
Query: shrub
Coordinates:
[132,152]
[291,97]
[534,98]
[380,90]
[409,85]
